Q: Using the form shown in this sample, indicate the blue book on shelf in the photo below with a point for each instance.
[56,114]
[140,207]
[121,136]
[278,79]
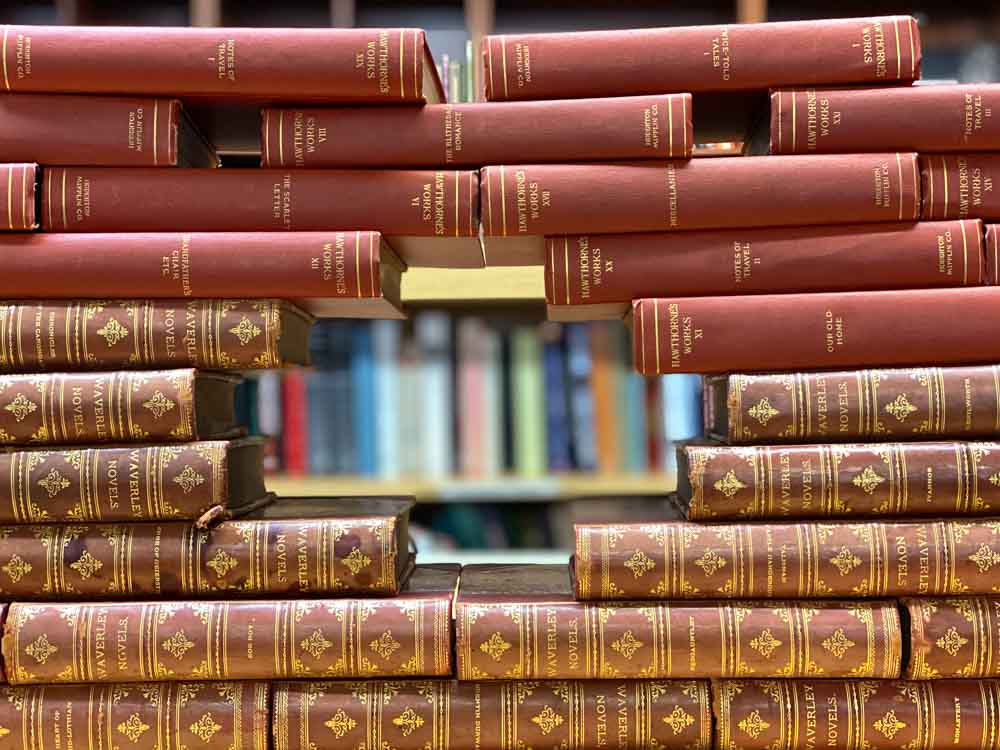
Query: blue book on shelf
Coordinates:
[682,414]
[386,353]
[558,428]
[437,394]
[635,419]
[581,396]
[331,436]
[363,395]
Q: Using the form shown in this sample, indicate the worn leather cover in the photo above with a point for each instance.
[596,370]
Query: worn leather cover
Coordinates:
[810,481]
[783,560]
[476,134]
[960,186]
[451,715]
[889,404]
[194,265]
[407,636]
[374,65]
[140,483]
[701,58]
[654,196]
[107,407]
[17,197]
[149,716]
[823,330]
[957,637]
[521,622]
[401,202]
[848,714]
[232,558]
[917,118]
[602,268]
[52,334]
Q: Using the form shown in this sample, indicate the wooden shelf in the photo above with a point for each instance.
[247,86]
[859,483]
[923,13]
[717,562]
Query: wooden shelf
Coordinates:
[472,285]
[462,489]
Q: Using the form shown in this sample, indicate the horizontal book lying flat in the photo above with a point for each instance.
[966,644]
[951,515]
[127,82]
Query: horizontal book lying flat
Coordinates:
[522,622]
[960,186]
[18,188]
[955,637]
[407,636]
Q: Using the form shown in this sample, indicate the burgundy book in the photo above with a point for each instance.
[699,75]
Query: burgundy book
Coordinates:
[476,134]
[960,186]
[402,202]
[108,131]
[336,270]
[521,622]
[701,58]
[815,331]
[916,403]
[17,197]
[954,478]
[956,637]
[406,636]
[370,65]
[992,272]
[499,715]
[614,269]
[915,118]
[540,199]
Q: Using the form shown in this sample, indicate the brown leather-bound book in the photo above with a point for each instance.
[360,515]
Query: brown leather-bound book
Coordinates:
[521,622]
[539,199]
[232,334]
[110,131]
[371,65]
[198,481]
[813,481]
[511,715]
[151,716]
[992,273]
[958,637]
[701,58]
[898,404]
[848,714]
[603,273]
[17,197]
[677,559]
[356,553]
[917,118]
[407,636]
[114,407]
[476,134]
[960,186]
[815,331]
[342,272]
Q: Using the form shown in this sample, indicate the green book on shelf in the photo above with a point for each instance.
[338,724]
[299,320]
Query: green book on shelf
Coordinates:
[528,403]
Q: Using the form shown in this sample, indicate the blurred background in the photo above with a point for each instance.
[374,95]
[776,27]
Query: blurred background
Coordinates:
[507,428]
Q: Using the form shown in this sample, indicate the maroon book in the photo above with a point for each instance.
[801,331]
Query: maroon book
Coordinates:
[17,197]
[960,186]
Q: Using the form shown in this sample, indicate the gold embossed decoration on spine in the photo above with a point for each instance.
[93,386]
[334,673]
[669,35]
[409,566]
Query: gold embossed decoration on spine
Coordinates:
[957,637]
[501,715]
[849,714]
[786,560]
[140,716]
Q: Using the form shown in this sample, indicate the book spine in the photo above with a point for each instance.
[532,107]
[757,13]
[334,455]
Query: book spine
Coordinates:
[511,640]
[144,483]
[364,407]
[701,58]
[232,558]
[405,202]
[269,419]
[599,269]
[580,365]
[435,436]
[558,433]
[807,481]
[959,186]
[756,714]
[225,714]
[131,334]
[821,331]
[658,196]
[920,118]
[17,197]
[452,715]
[110,131]
[295,423]
[782,560]
[914,403]
[192,266]
[472,135]
[103,407]
[171,641]
[680,401]
[375,65]
[604,383]
[992,272]
[955,637]
[528,392]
